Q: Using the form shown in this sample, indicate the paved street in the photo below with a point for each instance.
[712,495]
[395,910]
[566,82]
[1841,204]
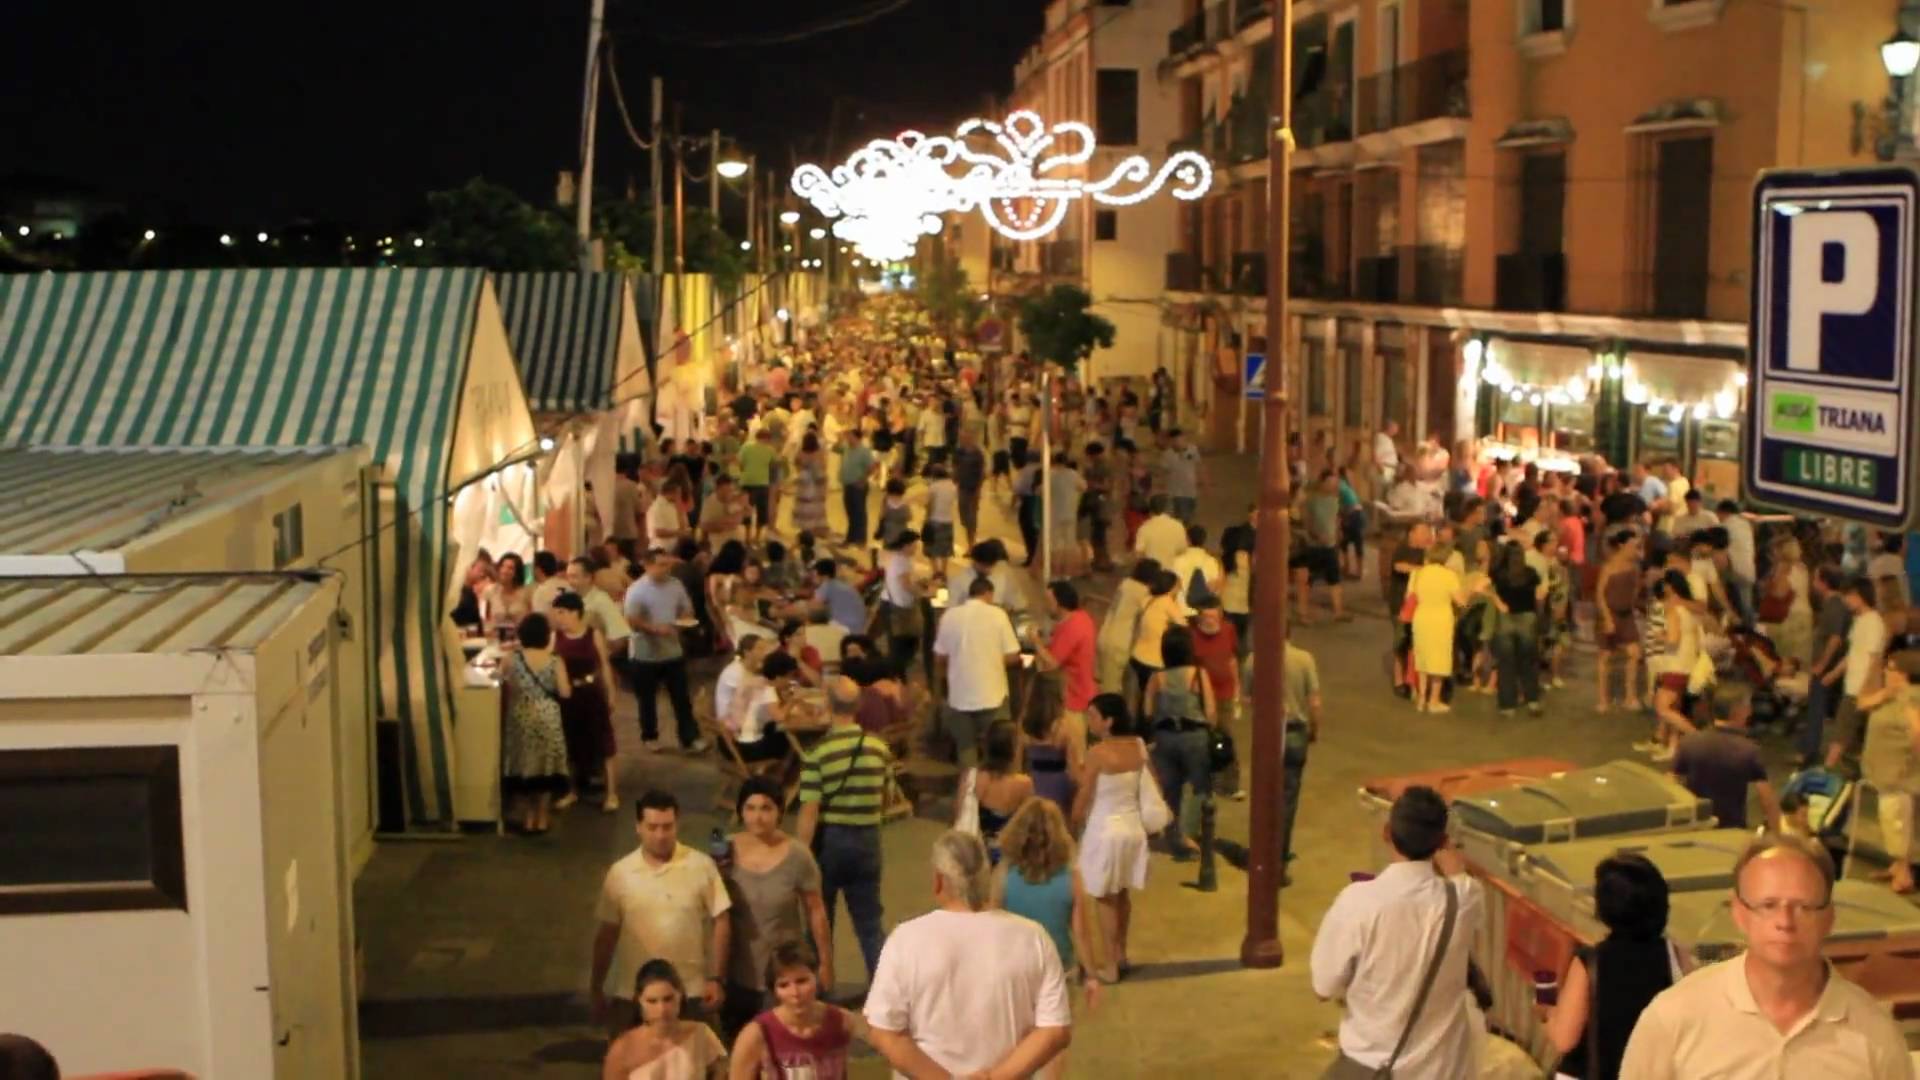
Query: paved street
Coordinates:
[477,950]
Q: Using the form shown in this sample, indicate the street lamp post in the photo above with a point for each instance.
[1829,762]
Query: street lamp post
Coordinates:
[1900,55]
[1266,861]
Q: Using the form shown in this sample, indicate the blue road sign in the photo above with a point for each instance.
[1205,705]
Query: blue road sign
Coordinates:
[1256,386]
[1831,344]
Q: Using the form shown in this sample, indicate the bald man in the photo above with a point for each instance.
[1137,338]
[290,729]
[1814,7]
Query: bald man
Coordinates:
[1778,1009]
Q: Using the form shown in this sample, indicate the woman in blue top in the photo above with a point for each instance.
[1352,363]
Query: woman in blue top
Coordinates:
[1037,880]
[1353,527]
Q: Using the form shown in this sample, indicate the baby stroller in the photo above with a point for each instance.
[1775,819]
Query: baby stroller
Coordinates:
[1778,687]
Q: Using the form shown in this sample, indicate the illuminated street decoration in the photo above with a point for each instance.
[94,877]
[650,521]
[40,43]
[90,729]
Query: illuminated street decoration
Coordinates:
[1016,173]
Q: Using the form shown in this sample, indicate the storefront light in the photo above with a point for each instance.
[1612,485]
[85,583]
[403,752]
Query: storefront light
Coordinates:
[1740,379]
[1678,412]
[1596,371]
[1577,388]
[1535,400]
[1724,403]
[1515,395]
[1473,352]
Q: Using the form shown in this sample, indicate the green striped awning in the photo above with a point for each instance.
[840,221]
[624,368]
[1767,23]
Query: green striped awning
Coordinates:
[564,327]
[272,358]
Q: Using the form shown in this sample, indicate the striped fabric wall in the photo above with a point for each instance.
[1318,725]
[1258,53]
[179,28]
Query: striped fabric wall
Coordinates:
[565,331]
[198,358]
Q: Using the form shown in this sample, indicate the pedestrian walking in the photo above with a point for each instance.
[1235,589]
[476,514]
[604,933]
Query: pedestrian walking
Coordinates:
[989,795]
[1115,643]
[856,470]
[1395,950]
[775,888]
[586,714]
[965,990]
[1037,879]
[970,478]
[1113,834]
[973,648]
[1179,700]
[1591,1018]
[843,781]
[662,1045]
[1302,731]
[656,607]
[664,902]
[533,745]
[799,1035]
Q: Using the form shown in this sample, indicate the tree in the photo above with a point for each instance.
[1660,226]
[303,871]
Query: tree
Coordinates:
[1058,326]
[944,291]
[627,229]
[484,224]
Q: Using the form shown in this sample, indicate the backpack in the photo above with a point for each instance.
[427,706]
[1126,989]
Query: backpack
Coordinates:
[1197,591]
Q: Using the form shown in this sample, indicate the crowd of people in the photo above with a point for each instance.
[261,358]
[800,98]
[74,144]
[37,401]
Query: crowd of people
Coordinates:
[909,632]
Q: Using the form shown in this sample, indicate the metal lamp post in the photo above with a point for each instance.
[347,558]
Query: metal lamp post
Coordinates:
[1266,862]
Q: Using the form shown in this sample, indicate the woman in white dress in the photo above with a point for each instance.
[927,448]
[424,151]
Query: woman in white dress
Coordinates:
[1113,845]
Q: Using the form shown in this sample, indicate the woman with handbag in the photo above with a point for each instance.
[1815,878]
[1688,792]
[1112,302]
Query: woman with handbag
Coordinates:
[533,748]
[1117,806]
[1180,700]
[900,602]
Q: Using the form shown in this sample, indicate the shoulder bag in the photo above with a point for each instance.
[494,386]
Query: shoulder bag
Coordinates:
[1344,1067]
[967,819]
[1155,814]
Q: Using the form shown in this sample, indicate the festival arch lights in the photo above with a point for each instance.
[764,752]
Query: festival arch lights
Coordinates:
[1016,173]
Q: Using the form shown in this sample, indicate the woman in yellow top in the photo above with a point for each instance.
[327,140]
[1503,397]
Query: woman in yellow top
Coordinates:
[1438,592]
[1162,611]
[1115,644]
[1890,761]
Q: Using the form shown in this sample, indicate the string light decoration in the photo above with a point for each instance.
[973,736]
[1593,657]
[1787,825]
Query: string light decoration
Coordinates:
[891,192]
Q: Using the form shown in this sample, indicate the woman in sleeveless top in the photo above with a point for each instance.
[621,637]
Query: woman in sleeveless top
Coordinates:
[1037,880]
[1619,589]
[1113,841]
[801,1036]
[1607,985]
[1180,701]
[663,1046]
[1682,636]
[998,787]
[810,488]
[586,717]
[533,750]
[1047,760]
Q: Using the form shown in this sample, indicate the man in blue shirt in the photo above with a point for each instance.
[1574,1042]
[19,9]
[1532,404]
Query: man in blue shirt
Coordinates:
[1651,489]
[655,606]
[856,466]
[841,600]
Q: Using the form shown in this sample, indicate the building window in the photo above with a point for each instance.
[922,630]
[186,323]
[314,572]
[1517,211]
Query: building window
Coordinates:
[1117,107]
[1106,225]
[1673,15]
[1534,278]
[1544,25]
[1682,200]
[1316,359]
[289,537]
[91,829]
[1395,404]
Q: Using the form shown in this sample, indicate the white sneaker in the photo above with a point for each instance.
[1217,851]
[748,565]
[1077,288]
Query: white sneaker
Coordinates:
[699,746]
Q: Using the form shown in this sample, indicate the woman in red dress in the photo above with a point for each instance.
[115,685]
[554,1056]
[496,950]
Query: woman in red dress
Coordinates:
[586,718]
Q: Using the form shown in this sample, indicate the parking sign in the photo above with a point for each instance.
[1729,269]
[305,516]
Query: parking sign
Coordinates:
[1831,344]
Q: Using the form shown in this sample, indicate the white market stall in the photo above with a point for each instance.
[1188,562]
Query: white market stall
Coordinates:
[579,345]
[172,890]
[411,364]
[67,511]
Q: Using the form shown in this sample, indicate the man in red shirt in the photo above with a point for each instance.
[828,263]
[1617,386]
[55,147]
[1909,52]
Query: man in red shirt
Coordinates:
[1216,651]
[1070,651]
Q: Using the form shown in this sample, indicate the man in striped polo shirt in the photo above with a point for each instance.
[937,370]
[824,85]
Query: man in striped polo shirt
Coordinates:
[843,784]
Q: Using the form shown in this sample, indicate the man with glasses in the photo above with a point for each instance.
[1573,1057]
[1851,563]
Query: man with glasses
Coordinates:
[1778,1009]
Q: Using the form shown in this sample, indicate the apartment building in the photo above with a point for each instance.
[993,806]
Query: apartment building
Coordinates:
[1097,63]
[1525,221]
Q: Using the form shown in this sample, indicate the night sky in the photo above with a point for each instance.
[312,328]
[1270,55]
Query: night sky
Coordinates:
[348,111]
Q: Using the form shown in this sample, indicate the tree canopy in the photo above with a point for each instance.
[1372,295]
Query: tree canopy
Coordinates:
[1059,328]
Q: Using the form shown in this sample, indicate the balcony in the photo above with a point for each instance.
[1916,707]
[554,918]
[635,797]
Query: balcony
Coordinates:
[1248,12]
[1529,281]
[1183,271]
[1438,273]
[1322,117]
[1426,89]
[1192,140]
[1249,274]
[1187,37]
[1377,279]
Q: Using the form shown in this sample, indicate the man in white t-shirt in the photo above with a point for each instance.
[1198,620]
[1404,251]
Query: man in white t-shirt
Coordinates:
[973,648]
[1386,454]
[967,991]
[1161,537]
[736,676]
[1196,559]
[1866,648]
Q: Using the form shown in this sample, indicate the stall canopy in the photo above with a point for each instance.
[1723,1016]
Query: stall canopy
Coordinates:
[577,339]
[412,364]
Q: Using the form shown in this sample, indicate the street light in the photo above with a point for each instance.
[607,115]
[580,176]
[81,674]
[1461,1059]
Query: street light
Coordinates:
[731,169]
[789,217]
[262,237]
[24,230]
[226,239]
[817,234]
[746,245]
[1901,54]
[148,235]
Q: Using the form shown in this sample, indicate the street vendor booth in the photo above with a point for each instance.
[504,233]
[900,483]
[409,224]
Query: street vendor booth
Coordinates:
[172,891]
[577,340]
[413,365]
[68,511]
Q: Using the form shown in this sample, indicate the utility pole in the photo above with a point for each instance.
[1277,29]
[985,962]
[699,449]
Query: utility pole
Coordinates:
[753,202]
[589,115]
[1266,861]
[713,177]
[679,230]
[659,262]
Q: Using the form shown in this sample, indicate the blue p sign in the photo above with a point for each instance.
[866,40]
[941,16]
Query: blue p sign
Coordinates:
[1833,271]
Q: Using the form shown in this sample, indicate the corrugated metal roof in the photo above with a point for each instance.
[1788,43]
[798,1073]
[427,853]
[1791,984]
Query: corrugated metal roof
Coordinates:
[564,327]
[124,615]
[56,501]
